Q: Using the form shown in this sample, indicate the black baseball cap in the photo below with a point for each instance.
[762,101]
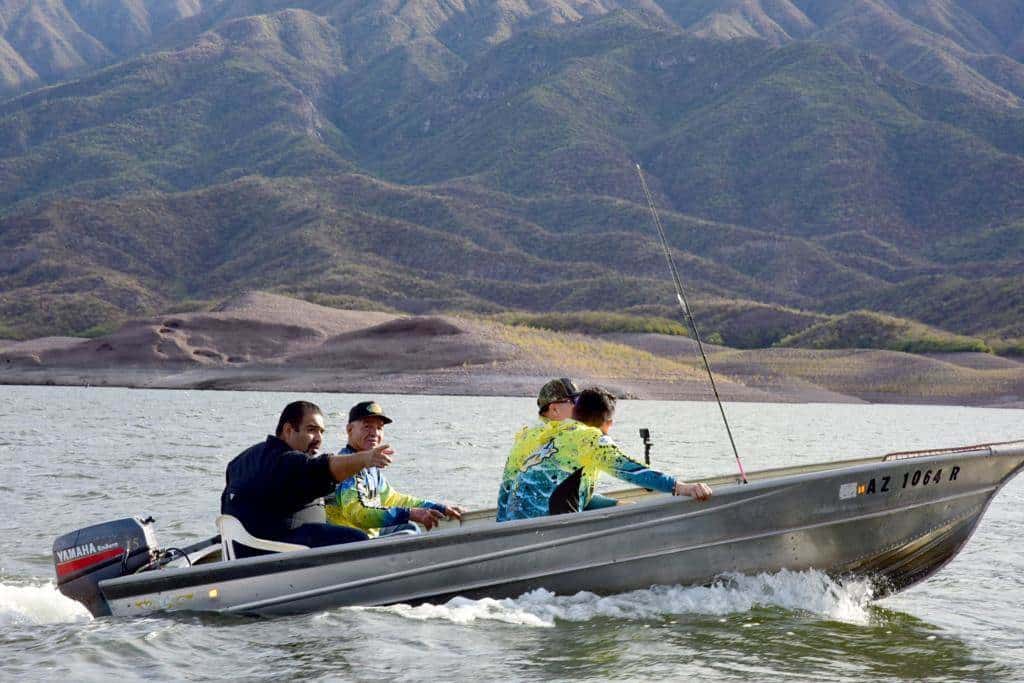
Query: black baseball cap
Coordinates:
[368,409]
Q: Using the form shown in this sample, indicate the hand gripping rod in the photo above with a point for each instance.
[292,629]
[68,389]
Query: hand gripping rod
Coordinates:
[681,298]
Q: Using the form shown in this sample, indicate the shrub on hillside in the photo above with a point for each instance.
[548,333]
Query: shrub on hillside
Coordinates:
[594,322]
[190,306]
[1008,347]
[868,330]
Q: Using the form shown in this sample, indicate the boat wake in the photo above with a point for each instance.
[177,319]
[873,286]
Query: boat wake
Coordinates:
[809,591]
[38,604]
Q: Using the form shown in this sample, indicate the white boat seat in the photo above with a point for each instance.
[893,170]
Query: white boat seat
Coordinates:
[232,531]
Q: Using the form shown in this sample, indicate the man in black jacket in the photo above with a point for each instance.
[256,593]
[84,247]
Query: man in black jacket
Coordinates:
[275,488]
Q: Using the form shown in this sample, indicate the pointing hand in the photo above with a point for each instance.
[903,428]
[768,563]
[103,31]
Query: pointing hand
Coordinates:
[379,456]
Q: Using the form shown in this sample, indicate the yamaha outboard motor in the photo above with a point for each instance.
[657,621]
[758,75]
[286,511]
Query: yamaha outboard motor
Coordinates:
[85,557]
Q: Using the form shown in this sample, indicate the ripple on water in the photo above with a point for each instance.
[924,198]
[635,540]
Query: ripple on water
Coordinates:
[811,591]
[964,624]
[38,604]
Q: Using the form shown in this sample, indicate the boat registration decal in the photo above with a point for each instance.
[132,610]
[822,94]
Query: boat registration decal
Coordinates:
[910,479]
[917,477]
[879,485]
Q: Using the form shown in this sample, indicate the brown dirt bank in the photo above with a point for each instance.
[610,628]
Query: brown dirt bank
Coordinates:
[265,342]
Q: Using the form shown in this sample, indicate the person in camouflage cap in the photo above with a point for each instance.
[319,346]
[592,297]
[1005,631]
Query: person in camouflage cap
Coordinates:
[555,400]
[554,404]
[554,466]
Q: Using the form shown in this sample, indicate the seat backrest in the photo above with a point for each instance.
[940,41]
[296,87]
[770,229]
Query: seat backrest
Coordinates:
[232,531]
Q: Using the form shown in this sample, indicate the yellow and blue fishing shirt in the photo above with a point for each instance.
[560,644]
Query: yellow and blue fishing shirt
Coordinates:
[554,466]
[367,501]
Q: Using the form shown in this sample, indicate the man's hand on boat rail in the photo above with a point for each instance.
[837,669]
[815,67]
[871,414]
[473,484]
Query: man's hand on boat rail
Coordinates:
[454,511]
[699,491]
[430,517]
[427,517]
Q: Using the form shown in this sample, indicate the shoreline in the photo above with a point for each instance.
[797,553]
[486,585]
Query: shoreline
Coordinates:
[266,342]
[277,379]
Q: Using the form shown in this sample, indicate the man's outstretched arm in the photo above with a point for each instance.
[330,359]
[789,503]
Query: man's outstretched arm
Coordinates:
[344,466]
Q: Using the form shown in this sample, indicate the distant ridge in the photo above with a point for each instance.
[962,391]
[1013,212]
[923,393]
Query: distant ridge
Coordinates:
[973,45]
[44,41]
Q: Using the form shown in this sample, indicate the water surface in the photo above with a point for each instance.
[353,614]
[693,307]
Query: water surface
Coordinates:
[70,457]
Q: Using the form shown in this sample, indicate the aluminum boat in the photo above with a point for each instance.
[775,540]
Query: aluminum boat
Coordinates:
[894,519]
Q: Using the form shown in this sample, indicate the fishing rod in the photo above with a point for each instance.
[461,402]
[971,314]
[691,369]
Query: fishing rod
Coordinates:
[681,298]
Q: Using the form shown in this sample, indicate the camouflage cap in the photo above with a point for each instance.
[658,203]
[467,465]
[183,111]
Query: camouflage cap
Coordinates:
[561,389]
[367,409]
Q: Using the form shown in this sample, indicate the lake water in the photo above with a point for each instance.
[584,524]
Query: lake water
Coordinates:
[70,457]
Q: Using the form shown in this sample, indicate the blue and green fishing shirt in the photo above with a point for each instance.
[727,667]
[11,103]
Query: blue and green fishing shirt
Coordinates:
[554,466]
[367,501]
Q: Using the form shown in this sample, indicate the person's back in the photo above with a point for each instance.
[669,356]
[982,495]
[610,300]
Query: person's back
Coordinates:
[553,467]
[269,482]
[554,403]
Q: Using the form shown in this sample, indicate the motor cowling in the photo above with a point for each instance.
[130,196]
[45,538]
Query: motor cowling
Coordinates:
[85,557]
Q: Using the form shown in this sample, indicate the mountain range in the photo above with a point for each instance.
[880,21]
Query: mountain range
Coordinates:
[810,158]
[972,45]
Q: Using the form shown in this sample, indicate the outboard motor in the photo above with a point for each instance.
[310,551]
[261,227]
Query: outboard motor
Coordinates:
[85,557]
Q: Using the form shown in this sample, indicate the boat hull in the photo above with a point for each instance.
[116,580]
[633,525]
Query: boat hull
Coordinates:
[894,520]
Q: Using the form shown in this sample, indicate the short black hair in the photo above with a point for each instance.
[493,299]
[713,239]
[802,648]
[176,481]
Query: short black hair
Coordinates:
[594,407]
[293,414]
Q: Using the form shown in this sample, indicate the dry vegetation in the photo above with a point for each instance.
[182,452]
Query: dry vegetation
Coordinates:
[583,356]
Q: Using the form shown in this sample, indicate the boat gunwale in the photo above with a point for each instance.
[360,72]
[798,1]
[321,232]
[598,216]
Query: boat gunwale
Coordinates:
[325,590]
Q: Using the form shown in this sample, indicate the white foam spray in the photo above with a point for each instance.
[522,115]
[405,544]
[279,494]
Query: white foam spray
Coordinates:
[809,591]
[38,604]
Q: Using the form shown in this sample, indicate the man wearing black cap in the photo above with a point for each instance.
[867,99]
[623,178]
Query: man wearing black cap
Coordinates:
[275,488]
[366,500]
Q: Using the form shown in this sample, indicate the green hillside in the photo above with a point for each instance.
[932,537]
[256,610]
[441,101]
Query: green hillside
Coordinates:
[867,330]
[310,149]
